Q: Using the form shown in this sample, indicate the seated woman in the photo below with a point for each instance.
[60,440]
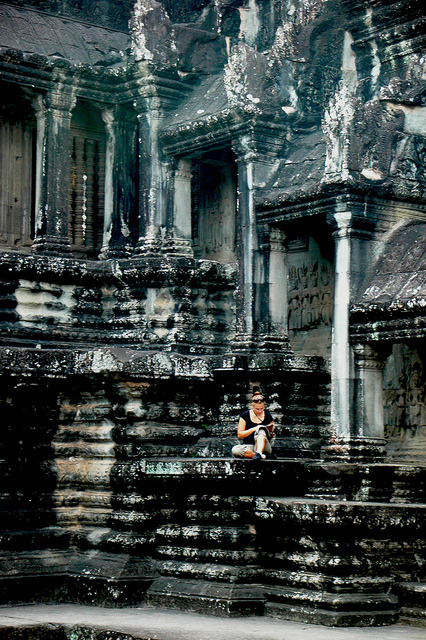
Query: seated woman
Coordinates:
[255,429]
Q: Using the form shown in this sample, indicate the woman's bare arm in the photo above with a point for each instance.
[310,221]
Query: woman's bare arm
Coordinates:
[242,432]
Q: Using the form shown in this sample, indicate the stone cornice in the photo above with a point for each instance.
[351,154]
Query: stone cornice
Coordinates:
[59,362]
[141,271]
[104,85]
[364,206]
[223,128]
[376,325]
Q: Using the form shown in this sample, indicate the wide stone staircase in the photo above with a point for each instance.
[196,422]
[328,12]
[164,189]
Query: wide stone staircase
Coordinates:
[219,545]
[99,521]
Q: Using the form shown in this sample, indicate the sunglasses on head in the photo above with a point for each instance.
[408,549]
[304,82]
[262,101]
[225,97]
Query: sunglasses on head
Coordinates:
[258,400]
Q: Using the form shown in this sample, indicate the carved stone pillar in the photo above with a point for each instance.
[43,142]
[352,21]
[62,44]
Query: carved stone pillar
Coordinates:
[342,400]
[246,249]
[153,180]
[369,413]
[353,247]
[271,309]
[120,184]
[179,233]
[278,284]
[53,113]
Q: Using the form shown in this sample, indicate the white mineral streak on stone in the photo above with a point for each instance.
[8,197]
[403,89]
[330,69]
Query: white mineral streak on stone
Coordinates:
[336,122]
[249,22]
[282,53]
[139,48]
[375,70]
[349,72]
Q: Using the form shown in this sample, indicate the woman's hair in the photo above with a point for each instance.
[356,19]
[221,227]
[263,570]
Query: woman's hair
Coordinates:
[256,392]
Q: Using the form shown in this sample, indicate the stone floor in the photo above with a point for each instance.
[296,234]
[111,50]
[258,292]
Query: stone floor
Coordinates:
[161,624]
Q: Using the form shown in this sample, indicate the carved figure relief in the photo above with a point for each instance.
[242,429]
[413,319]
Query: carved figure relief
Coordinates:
[214,212]
[410,166]
[405,395]
[374,135]
[310,296]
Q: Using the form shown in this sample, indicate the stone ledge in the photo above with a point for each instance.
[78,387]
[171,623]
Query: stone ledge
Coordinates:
[206,597]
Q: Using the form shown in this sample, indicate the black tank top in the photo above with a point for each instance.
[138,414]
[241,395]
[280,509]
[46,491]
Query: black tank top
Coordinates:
[249,425]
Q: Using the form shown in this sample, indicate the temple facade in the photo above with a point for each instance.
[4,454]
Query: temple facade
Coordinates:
[199,198]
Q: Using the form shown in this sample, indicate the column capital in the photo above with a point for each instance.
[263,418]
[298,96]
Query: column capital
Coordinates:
[182,169]
[271,239]
[341,222]
[244,149]
[367,357]
[61,100]
[346,222]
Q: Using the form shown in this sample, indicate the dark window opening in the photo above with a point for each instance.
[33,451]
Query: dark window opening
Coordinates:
[214,202]
[17,162]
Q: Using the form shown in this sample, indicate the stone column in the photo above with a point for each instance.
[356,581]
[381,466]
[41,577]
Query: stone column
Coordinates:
[246,250]
[369,410]
[353,256]
[152,179]
[53,113]
[271,309]
[179,227]
[120,213]
[278,284]
[341,352]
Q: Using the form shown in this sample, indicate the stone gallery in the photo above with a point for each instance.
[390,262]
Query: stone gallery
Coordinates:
[200,198]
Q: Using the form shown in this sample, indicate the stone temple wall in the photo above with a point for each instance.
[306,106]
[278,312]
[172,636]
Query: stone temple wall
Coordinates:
[199,199]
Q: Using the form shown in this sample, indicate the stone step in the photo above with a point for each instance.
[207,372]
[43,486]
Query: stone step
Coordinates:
[191,509]
[195,554]
[220,598]
[205,475]
[206,571]
[363,607]
[72,576]
[313,615]
[331,601]
[412,596]
[275,578]
[379,482]
[207,535]
[321,582]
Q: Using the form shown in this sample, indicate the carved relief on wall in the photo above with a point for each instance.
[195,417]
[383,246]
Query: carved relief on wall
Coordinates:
[404,394]
[375,131]
[310,295]
[213,216]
